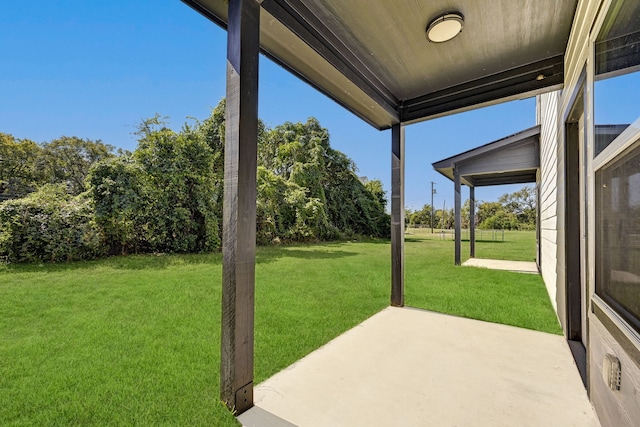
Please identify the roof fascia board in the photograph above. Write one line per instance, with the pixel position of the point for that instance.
(206, 12)
(515, 97)
(491, 88)
(304, 24)
(517, 179)
(311, 83)
(527, 176)
(220, 20)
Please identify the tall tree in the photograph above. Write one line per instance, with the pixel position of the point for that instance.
(522, 204)
(493, 215)
(181, 183)
(121, 203)
(301, 153)
(422, 217)
(67, 160)
(20, 173)
(212, 131)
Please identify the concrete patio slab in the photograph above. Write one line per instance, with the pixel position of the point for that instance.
(409, 367)
(498, 264)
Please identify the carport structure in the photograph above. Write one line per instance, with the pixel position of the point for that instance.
(514, 159)
(373, 58)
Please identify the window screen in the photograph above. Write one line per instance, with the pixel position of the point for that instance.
(618, 235)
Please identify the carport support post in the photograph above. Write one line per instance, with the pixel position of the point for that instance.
(397, 215)
(458, 202)
(239, 213)
(472, 222)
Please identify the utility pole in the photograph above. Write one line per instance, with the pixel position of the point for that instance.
(433, 191)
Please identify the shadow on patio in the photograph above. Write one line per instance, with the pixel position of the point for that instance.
(411, 367)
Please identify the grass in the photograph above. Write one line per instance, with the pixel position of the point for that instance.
(135, 340)
(517, 245)
(114, 342)
(433, 283)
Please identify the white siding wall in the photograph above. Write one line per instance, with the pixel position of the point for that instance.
(548, 105)
(614, 408)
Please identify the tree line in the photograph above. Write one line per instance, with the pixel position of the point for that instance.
(74, 198)
(512, 211)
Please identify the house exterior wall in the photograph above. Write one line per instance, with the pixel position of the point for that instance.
(614, 408)
(578, 47)
(548, 120)
(606, 333)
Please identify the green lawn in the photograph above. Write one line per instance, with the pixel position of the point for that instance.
(433, 283)
(135, 340)
(516, 246)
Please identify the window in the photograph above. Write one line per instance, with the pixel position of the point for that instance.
(617, 181)
(617, 66)
(618, 234)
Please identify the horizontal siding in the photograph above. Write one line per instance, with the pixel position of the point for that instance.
(549, 196)
(548, 229)
(548, 121)
(548, 270)
(549, 238)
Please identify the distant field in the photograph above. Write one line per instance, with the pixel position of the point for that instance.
(493, 244)
(135, 340)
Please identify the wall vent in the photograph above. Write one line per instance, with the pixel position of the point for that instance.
(611, 371)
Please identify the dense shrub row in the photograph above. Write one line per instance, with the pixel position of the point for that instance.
(49, 225)
(166, 196)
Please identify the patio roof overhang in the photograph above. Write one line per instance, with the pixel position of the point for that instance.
(514, 159)
(373, 57)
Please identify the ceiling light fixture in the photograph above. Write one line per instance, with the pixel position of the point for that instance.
(445, 27)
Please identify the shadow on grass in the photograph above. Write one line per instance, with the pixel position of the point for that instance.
(121, 262)
(413, 240)
(266, 256)
(315, 250)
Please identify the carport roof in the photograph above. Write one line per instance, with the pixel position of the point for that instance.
(373, 58)
(511, 160)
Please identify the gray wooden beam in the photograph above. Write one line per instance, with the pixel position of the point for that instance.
(458, 202)
(472, 222)
(397, 215)
(239, 213)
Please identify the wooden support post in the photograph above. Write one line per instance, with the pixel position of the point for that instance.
(239, 216)
(472, 222)
(397, 215)
(458, 203)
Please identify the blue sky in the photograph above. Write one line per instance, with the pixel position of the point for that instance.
(96, 69)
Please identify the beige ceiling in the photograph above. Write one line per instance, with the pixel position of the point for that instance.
(498, 34)
(372, 56)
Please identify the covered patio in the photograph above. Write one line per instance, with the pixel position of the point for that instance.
(382, 62)
(514, 159)
(413, 367)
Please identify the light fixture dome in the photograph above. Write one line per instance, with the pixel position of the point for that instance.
(445, 27)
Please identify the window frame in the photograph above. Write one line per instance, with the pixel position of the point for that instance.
(629, 139)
